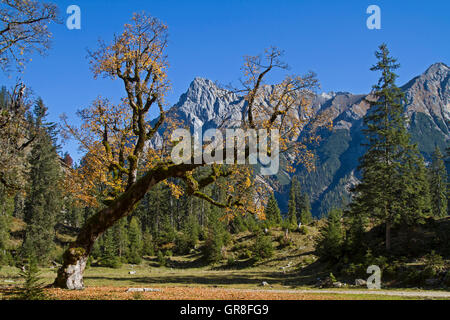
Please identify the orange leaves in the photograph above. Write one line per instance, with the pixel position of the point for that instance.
(184, 293)
(137, 56)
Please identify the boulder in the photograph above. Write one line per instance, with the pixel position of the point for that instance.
(360, 283)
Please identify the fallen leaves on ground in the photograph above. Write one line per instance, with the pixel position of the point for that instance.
(180, 293)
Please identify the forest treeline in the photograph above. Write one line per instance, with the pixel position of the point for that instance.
(125, 199)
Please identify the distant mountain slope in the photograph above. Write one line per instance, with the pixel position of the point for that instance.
(427, 109)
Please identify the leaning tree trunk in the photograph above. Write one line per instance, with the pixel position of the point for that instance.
(70, 274)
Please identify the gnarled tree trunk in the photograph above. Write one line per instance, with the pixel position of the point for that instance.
(70, 274)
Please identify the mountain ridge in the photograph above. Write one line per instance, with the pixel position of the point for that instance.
(427, 109)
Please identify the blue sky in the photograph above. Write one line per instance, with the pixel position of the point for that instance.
(209, 39)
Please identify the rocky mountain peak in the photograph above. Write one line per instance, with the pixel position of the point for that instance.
(429, 93)
(206, 104)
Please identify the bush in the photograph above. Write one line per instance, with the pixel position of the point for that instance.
(447, 279)
(304, 230)
(330, 244)
(231, 260)
(6, 258)
(434, 262)
(111, 262)
(263, 247)
(246, 254)
(161, 259)
(57, 254)
(212, 250)
(184, 243)
(285, 241)
(134, 257)
(32, 288)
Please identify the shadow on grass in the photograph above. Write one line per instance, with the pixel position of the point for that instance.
(254, 278)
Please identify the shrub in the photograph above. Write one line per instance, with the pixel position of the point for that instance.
(212, 250)
(161, 259)
(231, 260)
(332, 277)
(447, 279)
(285, 241)
(434, 262)
(134, 257)
(246, 254)
(262, 248)
(168, 253)
(111, 262)
(32, 288)
(304, 230)
(331, 241)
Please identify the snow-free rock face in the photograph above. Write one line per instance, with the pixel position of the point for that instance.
(430, 94)
(427, 107)
(205, 104)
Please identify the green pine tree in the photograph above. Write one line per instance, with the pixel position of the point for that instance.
(272, 211)
(32, 288)
(292, 209)
(305, 213)
(44, 200)
(302, 204)
(438, 185)
(331, 240)
(121, 238)
(135, 237)
(385, 189)
(109, 257)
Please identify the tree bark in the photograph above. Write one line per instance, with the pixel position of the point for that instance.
(70, 274)
(388, 236)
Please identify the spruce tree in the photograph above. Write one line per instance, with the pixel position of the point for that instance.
(273, 215)
(387, 185)
(305, 213)
(109, 257)
(32, 288)
(302, 204)
(44, 200)
(121, 238)
(438, 185)
(6, 209)
(331, 240)
(135, 238)
(292, 209)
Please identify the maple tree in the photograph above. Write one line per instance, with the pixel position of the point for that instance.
(24, 30)
(117, 138)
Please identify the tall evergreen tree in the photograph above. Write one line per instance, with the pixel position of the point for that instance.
(330, 244)
(305, 213)
(135, 237)
(273, 215)
(109, 256)
(438, 184)
(44, 200)
(292, 209)
(121, 238)
(302, 204)
(6, 208)
(386, 188)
